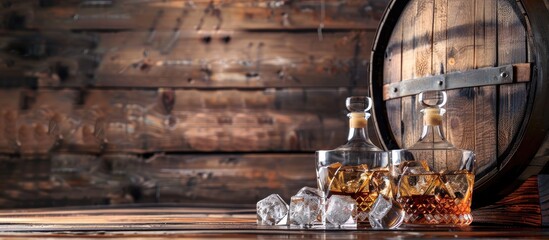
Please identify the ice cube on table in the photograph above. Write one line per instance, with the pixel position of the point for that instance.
(341, 211)
(309, 191)
(386, 213)
(272, 210)
(306, 210)
(317, 194)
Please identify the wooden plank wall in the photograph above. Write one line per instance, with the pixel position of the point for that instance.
(78, 179)
(122, 101)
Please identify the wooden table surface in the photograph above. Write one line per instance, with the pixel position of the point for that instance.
(154, 222)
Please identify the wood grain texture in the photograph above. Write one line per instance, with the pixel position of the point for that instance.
(392, 73)
(77, 179)
(438, 62)
(422, 61)
(248, 60)
(543, 187)
(460, 124)
(143, 121)
(485, 97)
(201, 15)
(10, 102)
(187, 59)
(204, 222)
(458, 36)
(51, 58)
(188, 221)
(94, 92)
(522, 207)
(186, 44)
(512, 99)
(409, 120)
(440, 22)
(423, 39)
(476, 36)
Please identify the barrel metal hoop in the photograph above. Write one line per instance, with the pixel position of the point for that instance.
(474, 78)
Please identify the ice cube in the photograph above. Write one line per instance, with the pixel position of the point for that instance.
(415, 167)
(386, 213)
(439, 189)
(460, 183)
(315, 193)
(416, 178)
(451, 191)
(272, 210)
(341, 210)
(306, 210)
(309, 191)
(416, 184)
(382, 183)
(352, 179)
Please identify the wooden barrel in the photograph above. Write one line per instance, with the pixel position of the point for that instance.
(492, 58)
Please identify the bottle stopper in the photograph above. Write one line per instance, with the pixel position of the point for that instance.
(358, 107)
(433, 101)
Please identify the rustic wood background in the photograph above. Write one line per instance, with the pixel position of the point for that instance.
(121, 101)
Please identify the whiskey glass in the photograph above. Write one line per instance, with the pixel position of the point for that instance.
(434, 178)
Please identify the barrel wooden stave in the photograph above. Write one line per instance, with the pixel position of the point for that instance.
(429, 38)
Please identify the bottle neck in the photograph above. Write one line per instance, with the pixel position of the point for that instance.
(358, 138)
(432, 136)
(358, 134)
(432, 133)
(358, 122)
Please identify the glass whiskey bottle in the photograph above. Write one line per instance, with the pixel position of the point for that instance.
(436, 179)
(358, 169)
